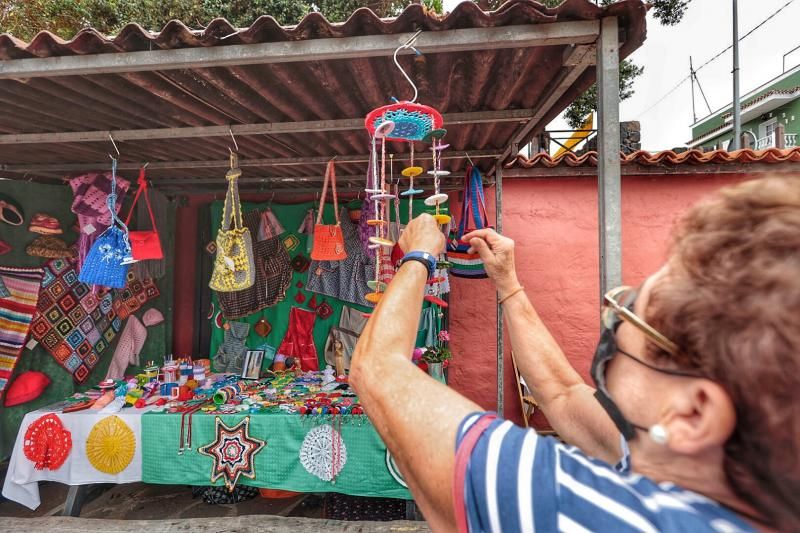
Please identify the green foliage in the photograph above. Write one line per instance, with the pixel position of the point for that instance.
(586, 103)
(25, 18)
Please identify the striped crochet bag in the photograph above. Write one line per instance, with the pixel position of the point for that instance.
(465, 264)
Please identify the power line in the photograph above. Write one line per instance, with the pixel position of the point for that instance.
(717, 56)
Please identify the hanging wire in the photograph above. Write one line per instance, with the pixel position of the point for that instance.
(409, 44)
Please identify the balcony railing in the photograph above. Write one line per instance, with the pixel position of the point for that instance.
(789, 141)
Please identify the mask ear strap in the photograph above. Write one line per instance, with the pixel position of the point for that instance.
(627, 429)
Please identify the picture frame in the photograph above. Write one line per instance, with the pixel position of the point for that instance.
(252, 364)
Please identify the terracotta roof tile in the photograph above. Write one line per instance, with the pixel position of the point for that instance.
(664, 158)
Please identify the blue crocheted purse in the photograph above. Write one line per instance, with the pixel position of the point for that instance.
(109, 259)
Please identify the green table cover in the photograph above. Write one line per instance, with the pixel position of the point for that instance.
(277, 465)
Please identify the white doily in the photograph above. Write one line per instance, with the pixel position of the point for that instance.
(323, 453)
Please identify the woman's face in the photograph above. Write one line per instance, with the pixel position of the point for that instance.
(637, 390)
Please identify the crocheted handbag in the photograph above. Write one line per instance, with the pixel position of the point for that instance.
(328, 238)
(144, 244)
(234, 268)
(465, 264)
(109, 258)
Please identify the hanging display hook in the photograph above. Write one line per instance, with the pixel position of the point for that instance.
(409, 44)
(235, 144)
(115, 146)
(469, 159)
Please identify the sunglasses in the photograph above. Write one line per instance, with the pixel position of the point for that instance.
(618, 307)
(619, 303)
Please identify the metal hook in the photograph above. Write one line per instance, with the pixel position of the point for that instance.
(408, 44)
(145, 165)
(469, 159)
(115, 146)
(235, 144)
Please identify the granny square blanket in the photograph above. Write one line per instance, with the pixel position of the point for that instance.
(76, 324)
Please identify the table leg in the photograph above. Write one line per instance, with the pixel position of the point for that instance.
(412, 512)
(75, 499)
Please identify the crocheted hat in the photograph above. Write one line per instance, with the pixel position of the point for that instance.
(49, 247)
(45, 225)
(10, 211)
(28, 386)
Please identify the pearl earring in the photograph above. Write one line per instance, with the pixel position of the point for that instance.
(658, 434)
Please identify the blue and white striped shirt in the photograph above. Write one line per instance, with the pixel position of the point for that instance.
(519, 481)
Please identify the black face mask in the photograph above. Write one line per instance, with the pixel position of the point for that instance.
(606, 350)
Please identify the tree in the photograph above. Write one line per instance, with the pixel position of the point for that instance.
(25, 18)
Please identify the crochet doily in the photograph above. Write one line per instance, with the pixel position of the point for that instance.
(323, 453)
(47, 443)
(233, 451)
(394, 471)
(110, 445)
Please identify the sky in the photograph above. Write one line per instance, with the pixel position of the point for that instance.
(706, 29)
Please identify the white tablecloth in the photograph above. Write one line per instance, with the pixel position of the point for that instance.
(22, 479)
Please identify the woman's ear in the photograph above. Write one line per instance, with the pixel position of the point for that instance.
(702, 416)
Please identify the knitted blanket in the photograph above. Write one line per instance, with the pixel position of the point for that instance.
(75, 324)
(17, 308)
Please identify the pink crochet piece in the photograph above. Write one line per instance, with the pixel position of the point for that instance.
(89, 203)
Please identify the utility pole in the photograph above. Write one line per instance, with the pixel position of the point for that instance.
(737, 107)
(691, 75)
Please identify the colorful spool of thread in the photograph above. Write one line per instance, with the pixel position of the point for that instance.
(227, 393)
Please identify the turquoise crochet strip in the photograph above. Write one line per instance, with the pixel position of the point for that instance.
(277, 465)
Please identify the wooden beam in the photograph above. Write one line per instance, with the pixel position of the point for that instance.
(271, 128)
(432, 42)
(224, 163)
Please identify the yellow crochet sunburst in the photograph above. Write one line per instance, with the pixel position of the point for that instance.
(111, 445)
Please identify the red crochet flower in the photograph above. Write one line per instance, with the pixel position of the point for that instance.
(47, 443)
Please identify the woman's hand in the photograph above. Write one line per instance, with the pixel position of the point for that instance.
(497, 254)
(423, 235)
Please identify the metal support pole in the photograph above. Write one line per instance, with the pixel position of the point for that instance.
(609, 187)
(737, 106)
(498, 203)
(691, 76)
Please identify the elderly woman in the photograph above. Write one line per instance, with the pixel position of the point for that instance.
(697, 378)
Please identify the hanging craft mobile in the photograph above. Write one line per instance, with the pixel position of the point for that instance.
(233, 451)
(409, 122)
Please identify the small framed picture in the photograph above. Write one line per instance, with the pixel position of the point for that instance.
(252, 364)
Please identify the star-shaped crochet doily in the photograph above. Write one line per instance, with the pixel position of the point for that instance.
(233, 451)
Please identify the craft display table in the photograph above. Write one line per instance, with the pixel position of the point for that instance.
(299, 453)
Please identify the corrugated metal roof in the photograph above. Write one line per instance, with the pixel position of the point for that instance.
(480, 80)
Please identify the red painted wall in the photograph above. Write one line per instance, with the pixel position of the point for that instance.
(554, 222)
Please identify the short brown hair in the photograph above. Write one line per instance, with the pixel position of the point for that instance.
(732, 305)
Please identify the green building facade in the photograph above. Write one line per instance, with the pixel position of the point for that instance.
(770, 118)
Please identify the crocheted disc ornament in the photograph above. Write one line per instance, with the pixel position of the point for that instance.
(47, 443)
(233, 451)
(110, 445)
(323, 453)
(412, 121)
